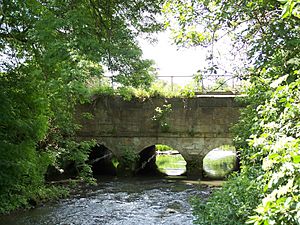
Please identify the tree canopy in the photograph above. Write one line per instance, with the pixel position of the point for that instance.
(267, 135)
(49, 50)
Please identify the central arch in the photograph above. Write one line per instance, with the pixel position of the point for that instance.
(160, 159)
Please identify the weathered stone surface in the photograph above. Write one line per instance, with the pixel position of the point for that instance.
(195, 125)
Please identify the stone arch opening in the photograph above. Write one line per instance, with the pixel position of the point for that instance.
(102, 161)
(220, 162)
(161, 160)
(146, 164)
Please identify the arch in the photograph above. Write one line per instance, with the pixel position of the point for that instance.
(152, 163)
(220, 162)
(213, 143)
(173, 143)
(102, 160)
(146, 164)
(108, 144)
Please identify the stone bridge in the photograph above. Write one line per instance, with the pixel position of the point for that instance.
(193, 126)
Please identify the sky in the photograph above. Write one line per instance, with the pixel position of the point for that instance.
(171, 61)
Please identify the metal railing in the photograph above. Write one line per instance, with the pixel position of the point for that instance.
(206, 83)
(203, 83)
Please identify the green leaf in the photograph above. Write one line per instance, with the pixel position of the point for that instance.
(295, 61)
(277, 82)
(296, 159)
(296, 11)
(286, 10)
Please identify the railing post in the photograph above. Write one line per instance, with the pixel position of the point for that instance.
(202, 79)
(112, 81)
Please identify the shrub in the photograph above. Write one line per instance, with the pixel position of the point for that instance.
(230, 205)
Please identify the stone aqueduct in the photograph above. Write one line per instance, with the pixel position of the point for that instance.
(193, 126)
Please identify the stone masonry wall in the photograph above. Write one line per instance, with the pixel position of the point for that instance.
(194, 125)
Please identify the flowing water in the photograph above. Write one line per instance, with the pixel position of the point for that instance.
(121, 201)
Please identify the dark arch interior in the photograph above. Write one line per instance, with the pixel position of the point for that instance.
(146, 164)
(102, 161)
(154, 157)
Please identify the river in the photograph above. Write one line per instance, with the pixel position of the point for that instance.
(120, 201)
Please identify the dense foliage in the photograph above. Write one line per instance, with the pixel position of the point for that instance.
(49, 52)
(267, 190)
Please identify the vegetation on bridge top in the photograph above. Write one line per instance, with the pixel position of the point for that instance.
(160, 88)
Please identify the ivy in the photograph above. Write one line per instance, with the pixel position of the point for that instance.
(161, 115)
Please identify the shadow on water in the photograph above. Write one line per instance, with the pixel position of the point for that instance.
(138, 200)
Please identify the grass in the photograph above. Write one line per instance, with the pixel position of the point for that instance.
(171, 162)
(163, 148)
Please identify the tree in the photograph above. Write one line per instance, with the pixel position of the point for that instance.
(267, 134)
(49, 50)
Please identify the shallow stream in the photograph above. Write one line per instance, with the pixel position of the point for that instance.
(120, 201)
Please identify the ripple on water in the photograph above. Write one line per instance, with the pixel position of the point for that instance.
(125, 202)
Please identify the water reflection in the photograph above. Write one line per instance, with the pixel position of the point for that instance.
(218, 163)
(171, 164)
